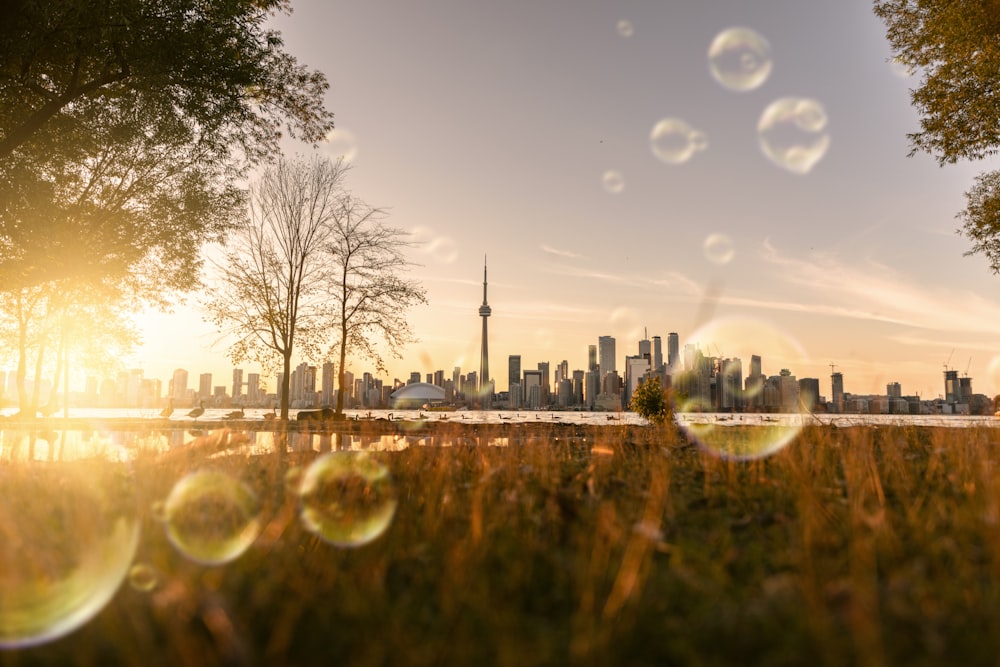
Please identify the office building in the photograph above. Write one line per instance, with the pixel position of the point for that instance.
(606, 355)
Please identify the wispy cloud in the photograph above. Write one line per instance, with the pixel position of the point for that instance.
(678, 283)
(874, 291)
(568, 254)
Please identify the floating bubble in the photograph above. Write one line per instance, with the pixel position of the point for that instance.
(674, 141)
(725, 354)
(901, 69)
(68, 533)
(626, 324)
(791, 133)
(340, 143)
(719, 248)
(625, 28)
(740, 59)
(613, 181)
(347, 498)
(143, 577)
(211, 517)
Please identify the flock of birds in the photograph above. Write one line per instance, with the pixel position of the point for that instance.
(200, 410)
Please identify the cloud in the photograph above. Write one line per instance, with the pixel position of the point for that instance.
(873, 291)
(676, 282)
(561, 253)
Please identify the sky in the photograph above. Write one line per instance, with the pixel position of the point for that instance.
(620, 181)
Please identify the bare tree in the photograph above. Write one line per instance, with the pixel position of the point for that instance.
(368, 297)
(269, 290)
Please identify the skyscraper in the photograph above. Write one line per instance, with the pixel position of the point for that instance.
(513, 370)
(484, 357)
(606, 354)
(657, 354)
(673, 350)
(591, 357)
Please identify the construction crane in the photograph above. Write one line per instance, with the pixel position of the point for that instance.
(966, 374)
(948, 360)
(833, 368)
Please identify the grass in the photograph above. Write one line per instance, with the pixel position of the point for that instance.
(590, 545)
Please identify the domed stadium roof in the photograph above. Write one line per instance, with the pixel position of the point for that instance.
(416, 394)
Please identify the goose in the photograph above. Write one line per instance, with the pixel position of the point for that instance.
(235, 414)
(169, 410)
(273, 414)
(198, 411)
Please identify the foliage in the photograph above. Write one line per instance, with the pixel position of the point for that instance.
(367, 295)
(651, 401)
(268, 296)
(125, 130)
(955, 49)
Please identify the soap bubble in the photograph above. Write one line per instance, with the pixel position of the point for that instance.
(674, 141)
(143, 577)
(347, 498)
(340, 143)
(625, 28)
(791, 133)
(739, 59)
(68, 534)
(613, 181)
(718, 248)
(211, 517)
(727, 347)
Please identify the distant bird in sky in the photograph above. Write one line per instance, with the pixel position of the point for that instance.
(169, 410)
(198, 411)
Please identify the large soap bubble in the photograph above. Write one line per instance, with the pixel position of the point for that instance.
(739, 59)
(211, 518)
(719, 248)
(674, 141)
(340, 143)
(68, 534)
(347, 498)
(792, 133)
(721, 375)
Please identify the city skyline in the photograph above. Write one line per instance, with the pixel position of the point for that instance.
(535, 134)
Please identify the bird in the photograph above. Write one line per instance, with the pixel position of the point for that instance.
(169, 410)
(198, 411)
(271, 415)
(235, 414)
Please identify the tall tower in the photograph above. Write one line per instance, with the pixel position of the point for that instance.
(484, 357)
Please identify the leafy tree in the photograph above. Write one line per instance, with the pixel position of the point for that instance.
(125, 129)
(269, 290)
(955, 48)
(651, 401)
(367, 294)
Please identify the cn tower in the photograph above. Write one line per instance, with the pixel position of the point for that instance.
(484, 357)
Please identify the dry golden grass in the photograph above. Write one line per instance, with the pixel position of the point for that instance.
(592, 545)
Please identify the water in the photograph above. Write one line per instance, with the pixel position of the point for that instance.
(214, 417)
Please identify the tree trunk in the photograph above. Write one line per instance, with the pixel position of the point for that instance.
(341, 377)
(286, 381)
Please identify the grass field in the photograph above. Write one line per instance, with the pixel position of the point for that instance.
(583, 545)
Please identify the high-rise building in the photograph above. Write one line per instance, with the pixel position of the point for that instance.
(254, 396)
(952, 387)
(837, 381)
(606, 354)
(543, 368)
(645, 347)
(513, 370)
(635, 370)
(237, 384)
(532, 389)
(179, 384)
(328, 382)
(591, 357)
(673, 350)
(657, 353)
(729, 384)
(204, 386)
